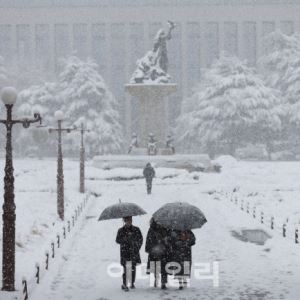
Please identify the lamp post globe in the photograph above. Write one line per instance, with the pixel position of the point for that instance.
(59, 115)
(9, 95)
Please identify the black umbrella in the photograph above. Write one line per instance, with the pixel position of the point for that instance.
(180, 216)
(121, 210)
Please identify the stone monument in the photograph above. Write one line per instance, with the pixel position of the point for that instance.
(150, 84)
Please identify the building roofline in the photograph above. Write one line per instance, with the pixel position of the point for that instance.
(137, 3)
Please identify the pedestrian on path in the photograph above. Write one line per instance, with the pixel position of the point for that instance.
(149, 174)
(182, 242)
(158, 246)
(130, 239)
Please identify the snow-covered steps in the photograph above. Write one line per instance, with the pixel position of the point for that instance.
(199, 162)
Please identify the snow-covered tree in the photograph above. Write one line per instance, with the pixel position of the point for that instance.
(231, 106)
(280, 67)
(39, 98)
(86, 98)
(278, 62)
(82, 95)
(42, 99)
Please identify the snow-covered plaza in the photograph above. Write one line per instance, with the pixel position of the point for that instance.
(226, 266)
(150, 149)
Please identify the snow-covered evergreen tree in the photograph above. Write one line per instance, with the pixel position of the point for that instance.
(86, 98)
(39, 98)
(278, 62)
(280, 67)
(42, 99)
(230, 107)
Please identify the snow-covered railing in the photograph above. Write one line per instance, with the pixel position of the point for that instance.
(284, 229)
(40, 271)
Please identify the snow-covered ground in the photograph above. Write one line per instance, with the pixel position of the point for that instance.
(246, 270)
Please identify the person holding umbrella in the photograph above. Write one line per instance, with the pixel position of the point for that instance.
(182, 242)
(181, 218)
(158, 246)
(149, 173)
(130, 239)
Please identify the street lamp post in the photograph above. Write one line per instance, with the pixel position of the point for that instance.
(9, 97)
(59, 116)
(82, 159)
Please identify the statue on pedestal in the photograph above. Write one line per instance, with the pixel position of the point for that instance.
(134, 142)
(152, 144)
(153, 67)
(160, 47)
(169, 143)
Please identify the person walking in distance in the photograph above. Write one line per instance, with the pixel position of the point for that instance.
(149, 173)
(130, 239)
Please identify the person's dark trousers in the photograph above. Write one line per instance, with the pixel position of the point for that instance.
(149, 186)
(160, 267)
(164, 274)
(129, 275)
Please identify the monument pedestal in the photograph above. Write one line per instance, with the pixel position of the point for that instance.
(152, 114)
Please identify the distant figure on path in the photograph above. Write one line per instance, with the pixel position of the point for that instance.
(130, 239)
(182, 242)
(149, 173)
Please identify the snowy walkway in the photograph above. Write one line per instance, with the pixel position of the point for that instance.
(247, 271)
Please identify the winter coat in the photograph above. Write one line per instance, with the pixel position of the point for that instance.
(130, 240)
(158, 245)
(149, 172)
(182, 248)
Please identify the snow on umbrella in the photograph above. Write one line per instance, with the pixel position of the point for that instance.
(121, 210)
(180, 216)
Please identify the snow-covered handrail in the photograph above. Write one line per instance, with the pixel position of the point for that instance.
(266, 219)
(26, 285)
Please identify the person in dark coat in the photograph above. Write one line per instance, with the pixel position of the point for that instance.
(130, 239)
(158, 246)
(182, 242)
(149, 173)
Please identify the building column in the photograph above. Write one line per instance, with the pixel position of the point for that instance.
(89, 40)
(240, 42)
(203, 45)
(183, 60)
(52, 48)
(127, 97)
(14, 47)
(32, 45)
(221, 37)
(259, 41)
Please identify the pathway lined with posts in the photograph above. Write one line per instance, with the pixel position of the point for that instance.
(62, 241)
(287, 231)
(243, 270)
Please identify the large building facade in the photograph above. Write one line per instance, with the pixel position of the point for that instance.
(38, 33)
